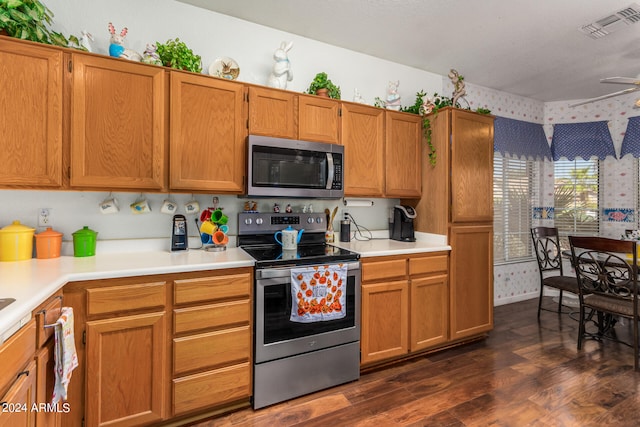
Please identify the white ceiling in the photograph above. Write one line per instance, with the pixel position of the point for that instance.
(532, 48)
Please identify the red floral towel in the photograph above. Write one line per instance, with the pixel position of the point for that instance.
(319, 293)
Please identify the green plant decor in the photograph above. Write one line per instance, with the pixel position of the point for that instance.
(176, 54)
(29, 20)
(321, 81)
(437, 102)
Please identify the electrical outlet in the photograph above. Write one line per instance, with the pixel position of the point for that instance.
(44, 217)
(345, 214)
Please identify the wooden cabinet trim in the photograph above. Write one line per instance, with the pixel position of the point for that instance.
(15, 353)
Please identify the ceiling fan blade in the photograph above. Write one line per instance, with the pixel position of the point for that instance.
(621, 80)
(611, 95)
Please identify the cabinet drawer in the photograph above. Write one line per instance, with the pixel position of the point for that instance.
(212, 288)
(211, 349)
(15, 353)
(211, 388)
(125, 298)
(47, 314)
(384, 269)
(211, 316)
(428, 264)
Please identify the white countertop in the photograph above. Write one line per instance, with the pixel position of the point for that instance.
(31, 282)
(380, 245)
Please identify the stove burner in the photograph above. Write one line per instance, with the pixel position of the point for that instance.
(273, 255)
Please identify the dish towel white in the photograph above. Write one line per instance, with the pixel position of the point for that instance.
(65, 357)
(318, 293)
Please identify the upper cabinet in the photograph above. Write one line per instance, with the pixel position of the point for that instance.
(403, 165)
(118, 122)
(32, 108)
(282, 114)
(363, 140)
(208, 134)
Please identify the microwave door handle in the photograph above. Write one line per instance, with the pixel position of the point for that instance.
(330, 171)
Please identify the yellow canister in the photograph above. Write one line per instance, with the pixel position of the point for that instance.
(48, 244)
(16, 242)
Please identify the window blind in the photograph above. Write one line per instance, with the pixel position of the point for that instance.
(512, 199)
(576, 198)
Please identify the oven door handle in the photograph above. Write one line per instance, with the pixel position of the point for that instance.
(284, 274)
(331, 171)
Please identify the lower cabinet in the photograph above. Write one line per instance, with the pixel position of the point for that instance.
(18, 401)
(404, 305)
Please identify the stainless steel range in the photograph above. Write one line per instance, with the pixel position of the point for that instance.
(296, 355)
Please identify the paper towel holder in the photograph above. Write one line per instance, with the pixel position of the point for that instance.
(358, 202)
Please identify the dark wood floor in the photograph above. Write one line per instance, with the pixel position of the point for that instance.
(526, 373)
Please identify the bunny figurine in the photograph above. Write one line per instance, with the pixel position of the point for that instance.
(150, 55)
(86, 40)
(281, 73)
(116, 47)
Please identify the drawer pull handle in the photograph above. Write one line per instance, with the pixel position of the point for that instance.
(22, 373)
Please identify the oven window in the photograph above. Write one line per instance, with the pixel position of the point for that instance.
(277, 312)
(288, 168)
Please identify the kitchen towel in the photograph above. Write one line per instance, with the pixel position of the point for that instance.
(318, 293)
(65, 357)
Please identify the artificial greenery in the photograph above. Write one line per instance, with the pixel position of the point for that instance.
(29, 20)
(321, 81)
(437, 102)
(176, 54)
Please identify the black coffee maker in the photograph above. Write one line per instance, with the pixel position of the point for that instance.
(401, 227)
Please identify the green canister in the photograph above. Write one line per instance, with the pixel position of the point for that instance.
(84, 242)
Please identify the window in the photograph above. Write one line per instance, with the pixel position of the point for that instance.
(576, 198)
(512, 199)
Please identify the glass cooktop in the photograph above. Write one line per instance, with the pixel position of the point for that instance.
(273, 255)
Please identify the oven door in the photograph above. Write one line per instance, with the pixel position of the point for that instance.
(276, 336)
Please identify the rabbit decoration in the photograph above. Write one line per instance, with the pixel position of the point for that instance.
(281, 73)
(116, 47)
(86, 40)
(150, 55)
(393, 98)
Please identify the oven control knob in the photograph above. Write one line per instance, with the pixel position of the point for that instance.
(248, 221)
(259, 221)
(310, 220)
(319, 220)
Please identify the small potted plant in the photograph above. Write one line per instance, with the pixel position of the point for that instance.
(176, 54)
(322, 86)
(29, 20)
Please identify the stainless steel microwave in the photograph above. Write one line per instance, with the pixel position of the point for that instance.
(292, 168)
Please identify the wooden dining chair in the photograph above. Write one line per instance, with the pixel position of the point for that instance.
(546, 244)
(607, 281)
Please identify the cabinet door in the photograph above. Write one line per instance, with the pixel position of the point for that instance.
(471, 167)
(318, 119)
(45, 379)
(207, 134)
(403, 165)
(31, 125)
(429, 311)
(272, 112)
(471, 277)
(21, 396)
(118, 138)
(363, 140)
(385, 318)
(127, 372)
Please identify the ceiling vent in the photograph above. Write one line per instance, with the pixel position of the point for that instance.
(609, 24)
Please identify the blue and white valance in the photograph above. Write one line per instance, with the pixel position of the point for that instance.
(586, 140)
(520, 139)
(631, 141)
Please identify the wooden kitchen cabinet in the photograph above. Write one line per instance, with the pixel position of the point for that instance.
(403, 164)
(459, 203)
(212, 340)
(404, 305)
(283, 114)
(20, 397)
(471, 280)
(118, 124)
(31, 101)
(363, 139)
(208, 131)
(273, 112)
